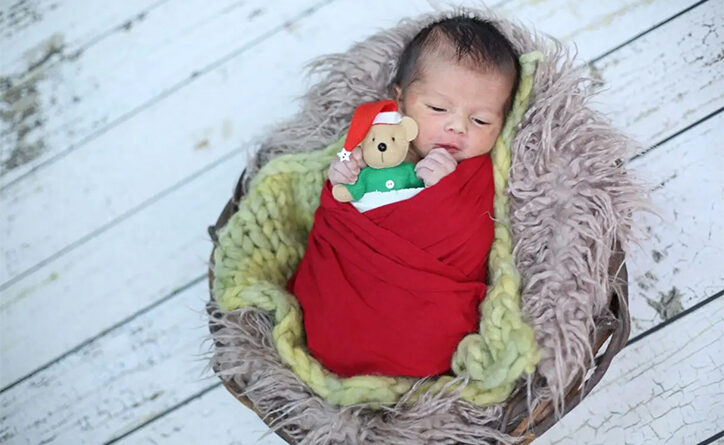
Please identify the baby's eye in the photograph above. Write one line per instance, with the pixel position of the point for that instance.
(479, 122)
(436, 109)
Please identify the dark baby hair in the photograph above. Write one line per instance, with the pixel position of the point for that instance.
(474, 41)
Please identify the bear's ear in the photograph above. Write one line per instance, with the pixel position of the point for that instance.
(368, 138)
(410, 127)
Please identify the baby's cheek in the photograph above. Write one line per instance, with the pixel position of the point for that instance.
(423, 141)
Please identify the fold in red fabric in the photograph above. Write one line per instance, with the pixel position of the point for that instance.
(393, 290)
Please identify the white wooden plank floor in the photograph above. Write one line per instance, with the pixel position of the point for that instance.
(124, 126)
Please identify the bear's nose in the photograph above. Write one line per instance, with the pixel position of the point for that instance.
(382, 146)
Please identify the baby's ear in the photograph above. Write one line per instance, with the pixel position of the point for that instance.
(397, 91)
(410, 127)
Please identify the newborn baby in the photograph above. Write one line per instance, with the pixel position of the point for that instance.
(394, 290)
(457, 79)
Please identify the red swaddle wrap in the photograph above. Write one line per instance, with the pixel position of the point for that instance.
(393, 290)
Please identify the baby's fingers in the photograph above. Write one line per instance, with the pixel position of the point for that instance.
(426, 175)
(423, 171)
(335, 175)
(357, 157)
(430, 163)
(346, 172)
(443, 157)
(351, 169)
(344, 177)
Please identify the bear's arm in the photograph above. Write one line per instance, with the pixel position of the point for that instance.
(414, 181)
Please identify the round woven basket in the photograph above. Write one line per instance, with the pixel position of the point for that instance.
(516, 420)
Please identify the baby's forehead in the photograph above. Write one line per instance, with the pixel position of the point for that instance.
(452, 76)
(444, 55)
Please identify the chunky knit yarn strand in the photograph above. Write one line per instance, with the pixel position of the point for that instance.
(261, 245)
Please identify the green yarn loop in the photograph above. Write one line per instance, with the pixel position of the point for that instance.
(261, 245)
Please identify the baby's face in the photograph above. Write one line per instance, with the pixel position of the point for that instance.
(456, 108)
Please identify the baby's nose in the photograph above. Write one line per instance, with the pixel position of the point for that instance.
(456, 125)
(382, 146)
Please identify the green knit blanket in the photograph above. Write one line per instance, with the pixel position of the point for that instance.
(261, 245)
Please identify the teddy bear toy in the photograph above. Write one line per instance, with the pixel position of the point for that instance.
(384, 136)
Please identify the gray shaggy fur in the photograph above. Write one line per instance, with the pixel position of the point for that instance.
(571, 200)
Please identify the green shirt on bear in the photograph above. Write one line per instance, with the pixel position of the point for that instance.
(384, 180)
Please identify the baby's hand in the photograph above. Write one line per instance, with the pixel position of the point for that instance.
(436, 165)
(341, 172)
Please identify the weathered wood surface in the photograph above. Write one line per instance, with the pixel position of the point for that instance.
(99, 90)
(26, 24)
(191, 424)
(147, 253)
(130, 375)
(665, 389)
(593, 29)
(678, 262)
(56, 89)
(647, 76)
(106, 185)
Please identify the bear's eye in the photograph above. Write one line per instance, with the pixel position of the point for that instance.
(393, 139)
(373, 139)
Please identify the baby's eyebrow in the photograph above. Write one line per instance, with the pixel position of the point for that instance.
(436, 92)
(485, 108)
(439, 93)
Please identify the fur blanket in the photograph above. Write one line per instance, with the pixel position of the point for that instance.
(571, 200)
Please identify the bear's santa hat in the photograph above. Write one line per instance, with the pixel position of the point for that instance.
(364, 117)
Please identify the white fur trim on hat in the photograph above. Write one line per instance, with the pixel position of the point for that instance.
(387, 117)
